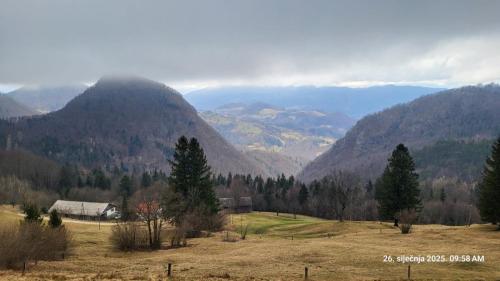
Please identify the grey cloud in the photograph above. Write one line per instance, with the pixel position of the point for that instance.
(65, 41)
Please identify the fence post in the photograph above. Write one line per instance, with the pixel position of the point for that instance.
(306, 273)
(409, 272)
(24, 267)
(169, 270)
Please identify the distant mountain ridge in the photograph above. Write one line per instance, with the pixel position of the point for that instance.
(282, 140)
(46, 99)
(355, 102)
(123, 121)
(467, 114)
(10, 108)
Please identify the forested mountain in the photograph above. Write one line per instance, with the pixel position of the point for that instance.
(46, 99)
(465, 116)
(282, 140)
(126, 122)
(453, 158)
(355, 102)
(10, 108)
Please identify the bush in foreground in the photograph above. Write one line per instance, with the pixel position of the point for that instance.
(407, 218)
(129, 236)
(55, 220)
(31, 241)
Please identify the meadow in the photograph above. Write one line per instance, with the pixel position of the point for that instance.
(278, 248)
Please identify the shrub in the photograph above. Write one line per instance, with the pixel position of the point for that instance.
(128, 236)
(407, 218)
(244, 231)
(228, 237)
(55, 221)
(32, 213)
(177, 237)
(195, 222)
(31, 241)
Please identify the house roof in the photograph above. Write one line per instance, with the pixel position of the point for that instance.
(245, 201)
(80, 208)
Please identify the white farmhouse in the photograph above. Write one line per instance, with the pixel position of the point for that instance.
(86, 210)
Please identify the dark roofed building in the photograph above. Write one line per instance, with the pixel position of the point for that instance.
(229, 205)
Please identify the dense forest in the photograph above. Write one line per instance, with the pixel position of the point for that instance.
(339, 196)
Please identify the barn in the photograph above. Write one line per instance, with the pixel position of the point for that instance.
(230, 205)
(86, 210)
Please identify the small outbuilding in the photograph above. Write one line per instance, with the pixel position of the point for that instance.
(230, 205)
(86, 210)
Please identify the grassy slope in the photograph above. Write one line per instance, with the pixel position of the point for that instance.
(354, 252)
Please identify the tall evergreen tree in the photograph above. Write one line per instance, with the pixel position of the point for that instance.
(268, 193)
(201, 186)
(146, 180)
(66, 179)
(489, 188)
(126, 188)
(303, 195)
(100, 179)
(180, 169)
(229, 179)
(191, 176)
(397, 189)
(369, 187)
(442, 195)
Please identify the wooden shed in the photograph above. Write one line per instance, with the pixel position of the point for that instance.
(230, 205)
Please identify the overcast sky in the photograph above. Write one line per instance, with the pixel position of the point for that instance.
(191, 44)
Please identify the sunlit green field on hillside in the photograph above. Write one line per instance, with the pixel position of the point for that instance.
(330, 249)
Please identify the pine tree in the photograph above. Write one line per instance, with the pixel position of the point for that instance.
(100, 179)
(303, 195)
(146, 180)
(66, 180)
(489, 188)
(201, 187)
(126, 187)
(268, 193)
(442, 195)
(369, 187)
(79, 182)
(179, 175)
(32, 213)
(397, 188)
(55, 220)
(125, 212)
(191, 177)
(229, 179)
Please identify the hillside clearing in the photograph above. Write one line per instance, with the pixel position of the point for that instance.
(354, 251)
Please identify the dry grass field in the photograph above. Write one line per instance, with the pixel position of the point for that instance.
(330, 249)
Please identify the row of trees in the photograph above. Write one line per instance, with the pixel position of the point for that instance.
(398, 190)
(489, 198)
(190, 189)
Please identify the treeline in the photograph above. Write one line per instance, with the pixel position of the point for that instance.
(343, 195)
(25, 176)
(338, 196)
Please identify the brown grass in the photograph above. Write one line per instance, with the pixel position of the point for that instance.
(354, 252)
